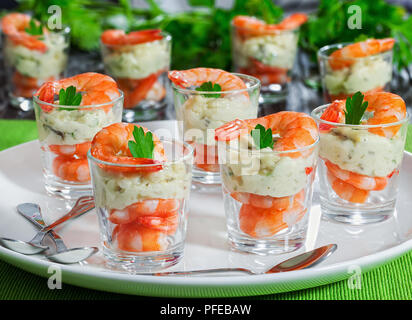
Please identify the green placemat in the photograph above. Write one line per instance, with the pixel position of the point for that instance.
(391, 281)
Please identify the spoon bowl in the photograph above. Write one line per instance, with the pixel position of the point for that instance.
(22, 247)
(73, 255)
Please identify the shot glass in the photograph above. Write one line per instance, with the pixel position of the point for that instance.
(267, 196)
(143, 216)
(359, 169)
(341, 78)
(200, 112)
(268, 55)
(65, 135)
(140, 71)
(27, 68)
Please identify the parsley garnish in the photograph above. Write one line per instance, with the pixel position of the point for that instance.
(209, 86)
(262, 138)
(143, 145)
(69, 97)
(355, 108)
(34, 28)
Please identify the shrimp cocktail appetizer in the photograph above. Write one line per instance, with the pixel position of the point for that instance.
(69, 112)
(138, 61)
(266, 51)
(361, 146)
(268, 167)
(141, 187)
(33, 55)
(205, 99)
(362, 66)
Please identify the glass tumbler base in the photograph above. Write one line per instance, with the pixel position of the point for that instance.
(265, 246)
(68, 191)
(133, 262)
(273, 93)
(205, 181)
(21, 103)
(356, 215)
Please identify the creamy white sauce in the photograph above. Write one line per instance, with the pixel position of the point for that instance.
(265, 173)
(365, 74)
(137, 61)
(201, 115)
(361, 151)
(272, 50)
(36, 64)
(74, 126)
(117, 192)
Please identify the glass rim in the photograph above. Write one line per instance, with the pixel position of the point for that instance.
(166, 36)
(228, 146)
(54, 105)
(322, 51)
(168, 162)
(240, 75)
(314, 115)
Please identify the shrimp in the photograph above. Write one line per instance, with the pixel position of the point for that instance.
(296, 130)
(165, 224)
(136, 90)
(134, 237)
(111, 145)
(261, 223)
(96, 88)
(160, 208)
(266, 202)
(71, 169)
(120, 38)
(206, 157)
(197, 76)
(386, 107)
(266, 74)
(346, 191)
(254, 26)
(77, 150)
(357, 180)
(345, 57)
(14, 25)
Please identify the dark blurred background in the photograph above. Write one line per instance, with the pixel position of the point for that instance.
(200, 30)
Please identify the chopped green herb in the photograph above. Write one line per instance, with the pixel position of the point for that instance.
(69, 97)
(143, 145)
(35, 28)
(210, 87)
(262, 138)
(355, 108)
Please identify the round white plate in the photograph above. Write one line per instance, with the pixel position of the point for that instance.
(359, 248)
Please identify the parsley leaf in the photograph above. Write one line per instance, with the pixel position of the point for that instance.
(355, 108)
(143, 145)
(34, 29)
(209, 86)
(69, 97)
(262, 138)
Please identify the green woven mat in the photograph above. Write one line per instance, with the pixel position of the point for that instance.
(391, 281)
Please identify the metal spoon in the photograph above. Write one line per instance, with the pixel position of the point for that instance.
(32, 212)
(34, 246)
(62, 255)
(301, 261)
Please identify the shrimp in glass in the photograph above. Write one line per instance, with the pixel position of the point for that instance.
(205, 99)
(66, 132)
(268, 188)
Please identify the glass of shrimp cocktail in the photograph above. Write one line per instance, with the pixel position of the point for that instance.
(33, 55)
(138, 61)
(205, 99)
(268, 167)
(346, 68)
(361, 149)
(69, 112)
(141, 187)
(266, 51)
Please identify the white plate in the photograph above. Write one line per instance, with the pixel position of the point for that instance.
(363, 247)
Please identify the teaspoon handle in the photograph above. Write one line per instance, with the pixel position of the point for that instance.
(199, 272)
